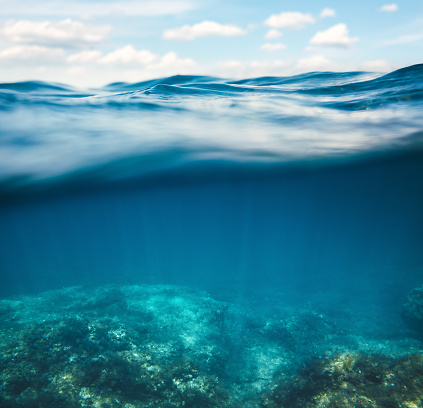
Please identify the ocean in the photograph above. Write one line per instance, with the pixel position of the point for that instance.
(194, 241)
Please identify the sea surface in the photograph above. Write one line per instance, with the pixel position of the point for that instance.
(258, 229)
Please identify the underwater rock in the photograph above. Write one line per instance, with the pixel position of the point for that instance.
(130, 347)
(352, 379)
(167, 346)
(412, 310)
(301, 332)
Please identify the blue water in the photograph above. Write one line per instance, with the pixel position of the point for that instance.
(196, 241)
(309, 185)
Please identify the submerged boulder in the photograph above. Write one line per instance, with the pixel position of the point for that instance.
(351, 379)
(412, 310)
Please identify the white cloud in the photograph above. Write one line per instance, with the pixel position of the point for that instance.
(172, 61)
(84, 57)
(316, 63)
(32, 55)
(146, 8)
(120, 60)
(129, 55)
(389, 7)
(293, 20)
(273, 47)
(376, 66)
(206, 28)
(335, 36)
(238, 69)
(69, 8)
(91, 68)
(273, 34)
(66, 33)
(327, 12)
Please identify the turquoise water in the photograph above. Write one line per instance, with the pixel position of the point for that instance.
(279, 196)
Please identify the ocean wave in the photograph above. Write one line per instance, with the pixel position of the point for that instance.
(56, 132)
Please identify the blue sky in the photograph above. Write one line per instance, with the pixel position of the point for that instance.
(91, 43)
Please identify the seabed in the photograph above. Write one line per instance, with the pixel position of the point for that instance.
(168, 346)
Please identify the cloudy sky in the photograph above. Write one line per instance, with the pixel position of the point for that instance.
(92, 42)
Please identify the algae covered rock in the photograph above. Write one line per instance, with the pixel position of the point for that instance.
(168, 346)
(130, 347)
(412, 310)
(352, 379)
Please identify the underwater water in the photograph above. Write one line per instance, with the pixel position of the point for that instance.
(201, 242)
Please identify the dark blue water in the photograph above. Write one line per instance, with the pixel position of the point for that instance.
(310, 185)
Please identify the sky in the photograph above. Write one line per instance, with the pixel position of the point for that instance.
(90, 43)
